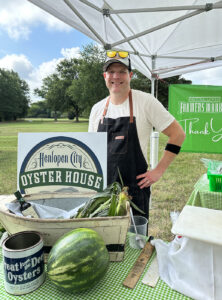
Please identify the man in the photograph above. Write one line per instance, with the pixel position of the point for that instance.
(128, 117)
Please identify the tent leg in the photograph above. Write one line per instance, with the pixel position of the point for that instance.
(154, 139)
(152, 86)
(154, 144)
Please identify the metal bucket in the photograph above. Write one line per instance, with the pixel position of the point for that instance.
(23, 260)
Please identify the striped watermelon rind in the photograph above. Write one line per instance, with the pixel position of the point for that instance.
(78, 260)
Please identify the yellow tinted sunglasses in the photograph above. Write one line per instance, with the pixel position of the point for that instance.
(122, 54)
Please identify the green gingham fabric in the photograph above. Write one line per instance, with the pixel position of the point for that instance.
(109, 288)
(203, 197)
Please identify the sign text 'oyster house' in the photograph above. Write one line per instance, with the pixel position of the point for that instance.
(61, 161)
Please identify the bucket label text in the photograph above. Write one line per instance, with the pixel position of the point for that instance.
(24, 270)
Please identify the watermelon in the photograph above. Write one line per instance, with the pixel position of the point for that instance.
(78, 260)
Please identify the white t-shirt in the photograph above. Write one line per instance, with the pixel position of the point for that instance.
(147, 110)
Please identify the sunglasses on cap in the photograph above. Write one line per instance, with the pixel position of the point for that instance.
(122, 54)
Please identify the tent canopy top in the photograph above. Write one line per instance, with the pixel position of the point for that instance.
(163, 39)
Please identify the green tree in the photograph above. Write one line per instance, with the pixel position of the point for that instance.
(39, 109)
(53, 91)
(92, 83)
(68, 71)
(56, 96)
(85, 83)
(77, 83)
(140, 82)
(162, 87)
(14, 96)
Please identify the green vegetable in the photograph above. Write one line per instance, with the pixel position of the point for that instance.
(129, 198)
(136, 207)
(78, 260)
(111, 202)
(92, 205)
(103, 213)
(113, 205)
(122, 202)
(103, 207)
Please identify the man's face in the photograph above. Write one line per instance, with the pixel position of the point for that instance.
(117, 78)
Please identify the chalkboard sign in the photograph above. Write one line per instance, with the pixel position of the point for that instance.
(198, 109)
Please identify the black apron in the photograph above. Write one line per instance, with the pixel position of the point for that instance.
(124, 152)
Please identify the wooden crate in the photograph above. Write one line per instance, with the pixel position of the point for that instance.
(112, 229)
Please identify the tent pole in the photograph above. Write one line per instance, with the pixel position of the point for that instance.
(154, 138)
(152, 86)
(154, 143)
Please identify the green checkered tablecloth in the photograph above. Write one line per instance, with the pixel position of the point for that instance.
(110, 287)
(203, 197)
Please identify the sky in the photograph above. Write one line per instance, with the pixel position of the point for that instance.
(32, 43)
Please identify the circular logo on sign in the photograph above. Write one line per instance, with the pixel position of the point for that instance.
(60, 164)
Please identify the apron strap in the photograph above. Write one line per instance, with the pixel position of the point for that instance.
(130, 106)
(105, 110)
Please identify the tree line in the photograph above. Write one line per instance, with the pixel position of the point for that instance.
(75, 86)
(14, 96)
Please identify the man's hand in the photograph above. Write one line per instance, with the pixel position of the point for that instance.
(149, 178)
(176, 136)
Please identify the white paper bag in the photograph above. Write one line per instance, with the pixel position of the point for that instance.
(191, 267)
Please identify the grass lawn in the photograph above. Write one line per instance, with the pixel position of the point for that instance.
(169, 194)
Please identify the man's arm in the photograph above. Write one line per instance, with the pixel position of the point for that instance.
(176, 136)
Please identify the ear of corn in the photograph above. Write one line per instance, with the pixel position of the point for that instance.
(105, 206)
(92, 205)
(123, 197)
(111, 202)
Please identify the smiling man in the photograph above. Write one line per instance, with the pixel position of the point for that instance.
(128, 116)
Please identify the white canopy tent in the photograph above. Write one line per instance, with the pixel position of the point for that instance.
(163, 39)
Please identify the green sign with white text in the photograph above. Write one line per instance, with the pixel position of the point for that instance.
(198, 109)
